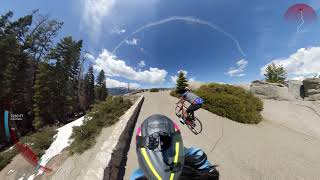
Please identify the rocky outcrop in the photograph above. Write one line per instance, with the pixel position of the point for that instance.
(296, 88)
(267, 90)
(246, 87)
(312, 89)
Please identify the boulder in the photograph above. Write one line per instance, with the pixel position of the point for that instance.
(296, 88)
(267, 90)
(312, 89)
(246, 87)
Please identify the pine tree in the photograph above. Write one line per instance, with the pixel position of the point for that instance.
(82, 97)
(35, 75)
(101, 88)
(41, 36)
(8, 48)
(14, 60)
(275, 74)
(44, 107)
(66, 54)
(19, 41)
(182, 83)
(15, 63)
(89, 87)
(39, 41)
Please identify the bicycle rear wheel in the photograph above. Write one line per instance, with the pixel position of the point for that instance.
(195, 126)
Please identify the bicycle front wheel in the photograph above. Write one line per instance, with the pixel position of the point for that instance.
(195, 126)
(178, 111)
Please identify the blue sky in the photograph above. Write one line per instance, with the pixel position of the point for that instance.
(152, 57)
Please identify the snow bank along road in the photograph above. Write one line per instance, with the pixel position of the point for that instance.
(21, 169)
(268, 150)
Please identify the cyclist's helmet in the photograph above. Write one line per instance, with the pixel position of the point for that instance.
(160, 148)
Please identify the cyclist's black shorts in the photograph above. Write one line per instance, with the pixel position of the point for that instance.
(193, 107)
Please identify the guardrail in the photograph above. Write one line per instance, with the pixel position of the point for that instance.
(121, 143)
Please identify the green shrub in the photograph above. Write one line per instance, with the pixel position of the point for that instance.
(231, 102)
(175, 94)
(154, 90)
(6, 157)
(103, 114)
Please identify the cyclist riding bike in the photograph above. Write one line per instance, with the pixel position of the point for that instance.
(162, 156)
(195, 101)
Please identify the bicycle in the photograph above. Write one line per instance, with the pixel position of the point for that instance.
(192, 122)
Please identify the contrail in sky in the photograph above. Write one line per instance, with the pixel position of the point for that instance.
(186, 19)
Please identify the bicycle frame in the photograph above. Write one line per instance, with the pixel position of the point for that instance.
(183, 108)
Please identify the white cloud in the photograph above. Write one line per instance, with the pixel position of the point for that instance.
(242, 63)
(117, 67)
(298, 78)
(118, 31)
(141, 64)
(111, 83)
(99, 16)
(175, 77)
(238, 71)
(133, 41)
(301, 64)
(94, 12)
(89, 56)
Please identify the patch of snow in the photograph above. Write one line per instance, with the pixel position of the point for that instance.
(10, 171)
(61, 142)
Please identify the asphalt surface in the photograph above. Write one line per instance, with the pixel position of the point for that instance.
(268, 150)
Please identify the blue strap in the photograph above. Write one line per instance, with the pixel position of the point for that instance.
(202, 164)
(190, 151)
(138, 173)
(205, 165)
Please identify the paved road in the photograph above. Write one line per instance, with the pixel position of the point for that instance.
(264, 151)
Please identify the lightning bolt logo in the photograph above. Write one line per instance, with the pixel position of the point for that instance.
(302, 21)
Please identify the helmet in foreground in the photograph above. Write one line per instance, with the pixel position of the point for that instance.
(160, 148)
